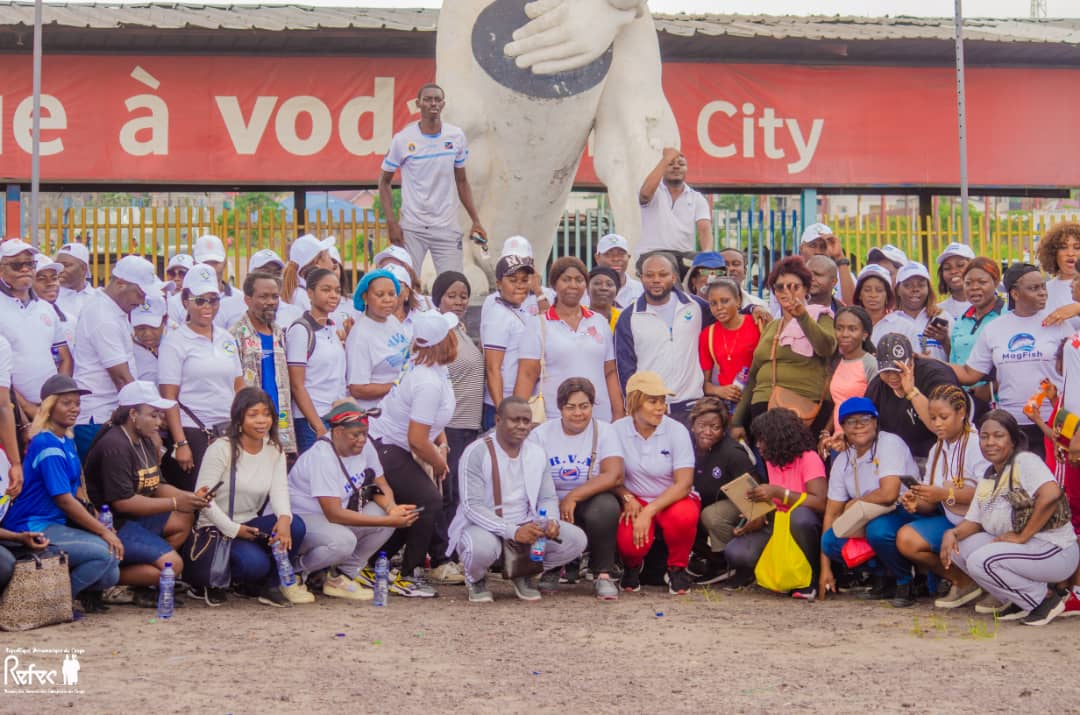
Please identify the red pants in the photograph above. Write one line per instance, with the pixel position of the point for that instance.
(678, 523)
(1071, 482)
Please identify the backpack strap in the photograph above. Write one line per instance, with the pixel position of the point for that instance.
(312, 326)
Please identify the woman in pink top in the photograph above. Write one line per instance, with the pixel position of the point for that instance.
(794, 468)
(856, 365)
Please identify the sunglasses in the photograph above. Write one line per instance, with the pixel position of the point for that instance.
(714, 272)
(21, 266)
(787, 287)
(204, 300)
(176, 272)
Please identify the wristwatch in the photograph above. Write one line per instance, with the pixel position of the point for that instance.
(843, 261)
(181, 443)
(627, 497)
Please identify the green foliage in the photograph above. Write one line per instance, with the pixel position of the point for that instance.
(377, 205)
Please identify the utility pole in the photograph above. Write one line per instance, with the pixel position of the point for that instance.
(35, 154)
(961, 115)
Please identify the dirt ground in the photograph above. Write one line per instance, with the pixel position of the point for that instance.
(712, 651)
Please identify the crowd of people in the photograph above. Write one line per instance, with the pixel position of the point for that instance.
(850, 433)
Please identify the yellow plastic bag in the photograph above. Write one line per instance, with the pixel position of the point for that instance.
(783, 566)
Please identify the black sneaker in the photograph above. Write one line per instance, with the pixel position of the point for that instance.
(143, 597)
(92, 602)
(571, 573)
(905, 595)
(678, 581)
(631, 579)
(698, 566)
(1011, 612)
(740, 579)
(272, 596)
(883, 589)
(712, 572)
(210, 596)
(1050, 608)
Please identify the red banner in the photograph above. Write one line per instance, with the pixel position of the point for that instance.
(295, 121)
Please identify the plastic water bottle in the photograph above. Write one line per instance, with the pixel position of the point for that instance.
(382, 580)
(742, 379)
(105, 517)
(284, 566)
(166, 588)
(536, 553)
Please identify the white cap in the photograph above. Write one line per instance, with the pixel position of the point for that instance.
(516, 246)
(151, 312)
(15, 246)
(874, 269)
(138, 270)
(956, 249)
(335, 255)
(815, 231)
(202, 279)
(912, 269)
(180, 260)
(610, 241)
(77, 251)
(141, 392)
(430, 327)
(209, 248)
(307, 248)
(264, 258)
(889, 252)
(398, 253)
(401, 274)
(44, 263)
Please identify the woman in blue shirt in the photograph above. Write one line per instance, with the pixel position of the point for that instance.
(981, 278)
(48, 501)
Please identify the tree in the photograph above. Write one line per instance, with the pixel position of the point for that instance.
(377, 204)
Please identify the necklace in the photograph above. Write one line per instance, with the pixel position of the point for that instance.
(724, 342)
(138, 447)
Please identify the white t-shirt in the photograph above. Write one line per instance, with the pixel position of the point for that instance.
(72, 302)
(146, 364)
(672, 225)
(955, 308)
(317, 473)
(287, 314)
(300, 299)
(502, 328)
(1071, 375)
(571, 353)
(896, 322)
(531, 304)
(1023, 352)
(893, 460)
(5, 361)
(102, 340)
(425, 396)
(992, 510)
(568, 456)
(204, 369)
(324, 370)
(1058, 293)
(377, 353)
(515, 500)
(914, 328)
(32, 330)
(954, 456)
(651, 463)
(429, 199)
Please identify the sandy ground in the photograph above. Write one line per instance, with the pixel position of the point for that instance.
(711, 651)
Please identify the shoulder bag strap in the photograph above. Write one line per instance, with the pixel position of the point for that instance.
(232, 477)
(198, 423)
(712, 350)
(543, 347)
(772, 355)
(496, 482)
(592, 457)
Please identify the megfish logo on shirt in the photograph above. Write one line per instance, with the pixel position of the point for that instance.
(1022, 347)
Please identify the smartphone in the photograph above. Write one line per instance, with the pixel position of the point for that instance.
(213, 490)
(478, 240)
(419, 509)
(741, 523)
(939, 323)
(909, 481)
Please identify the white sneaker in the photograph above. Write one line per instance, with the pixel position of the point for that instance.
(448, 573)
(118, 594)
(341, 586)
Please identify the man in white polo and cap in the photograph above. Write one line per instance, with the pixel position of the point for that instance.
(104, 349)
(613, 251)
(950, 273)
(818, 240)
(75, 288)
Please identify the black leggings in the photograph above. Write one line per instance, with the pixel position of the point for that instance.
(411, 485)
(171, 472)
(458, 440)
(599, 517)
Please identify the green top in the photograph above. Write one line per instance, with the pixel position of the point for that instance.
(806, 376)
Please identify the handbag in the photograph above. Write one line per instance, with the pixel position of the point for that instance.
(1023, 505)
(536, 402)
(218, 429)
(783, 566)
(805, 408)
(857, 552)
(517, 562)
(39, 593)
(207, 552)
(852, 523)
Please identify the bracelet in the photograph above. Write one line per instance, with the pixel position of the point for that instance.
(913, 394)
(843, 261)
(174, 504)
(950, 500)
(181, 443)
(787, 495)
(628, 497)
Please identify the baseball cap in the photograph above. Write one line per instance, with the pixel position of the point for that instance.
(610, 241)
(335, 255)
(77, 251)
(15, 246)
(892, 348)
(912, 269)
(209, 248)
(61, 384)
(345, 413)
(180, 260)
(397, 253)
(202, 279)
(956, 249)
(649, 383)
(888, 251)
(431, 327)
(708, 259)
(138, 270)
(141, 392)
(264, 258)
(516, 246)
(813, 232)
(401, 274)
(509, 265)
(44, 263)
(151, 312)
(856, 406)
(874, 269)
(307, 248)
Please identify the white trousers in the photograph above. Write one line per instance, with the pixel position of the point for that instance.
(1016, 573)
(346, 547)
(479, 549)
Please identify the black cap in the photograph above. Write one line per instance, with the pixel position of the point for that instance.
(60, 384)
(892, 348)
(510, 264)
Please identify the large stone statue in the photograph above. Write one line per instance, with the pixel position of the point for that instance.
(528, 82)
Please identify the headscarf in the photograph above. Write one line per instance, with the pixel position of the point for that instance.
(442, 284)
(604, 271)
(1012, 276)
(362, 286)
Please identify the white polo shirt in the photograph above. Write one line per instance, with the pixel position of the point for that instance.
(376, 353)
(73, 301)
(324, 371)
(425, 396)
(571, 353)
(429, 199)
(502, 328)
(32, 330)
(317, 473)
(892, 457)
(568, 456)
(651, 463)
(102, 340)
(668, 225)
(5, 361)
(146, 367)
(204, 369)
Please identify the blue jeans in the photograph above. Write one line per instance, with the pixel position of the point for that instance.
(93, 568)
(84, 435)
(881, 534)
(305, 435)
(487, 417)
(252, 562)
(7, 567)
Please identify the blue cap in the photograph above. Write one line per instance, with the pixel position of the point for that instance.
(708, 259)
(857, 406)
(362, 286)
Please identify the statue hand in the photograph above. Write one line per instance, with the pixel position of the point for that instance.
(564, 35)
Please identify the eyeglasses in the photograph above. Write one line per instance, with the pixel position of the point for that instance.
(204, 300)
(176, 272)
(787, 287)
(859, 421)
(714, 272)
(20, 266)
